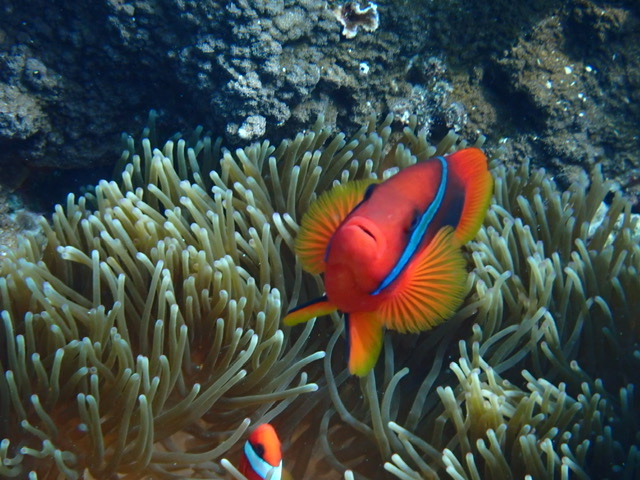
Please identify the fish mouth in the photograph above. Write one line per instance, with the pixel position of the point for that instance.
(367, 231)
(358, 234)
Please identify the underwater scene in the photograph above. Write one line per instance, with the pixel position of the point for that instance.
(346, 240)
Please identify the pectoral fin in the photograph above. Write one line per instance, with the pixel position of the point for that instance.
(430, 289)
(323, 218)
(303, 313)
(364, 340)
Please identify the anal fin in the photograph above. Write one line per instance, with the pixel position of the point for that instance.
(364, 340)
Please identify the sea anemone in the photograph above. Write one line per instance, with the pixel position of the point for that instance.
(145, 331)
(138, 340)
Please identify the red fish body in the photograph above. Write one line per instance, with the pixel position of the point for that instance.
(262, 453)
(390, 251)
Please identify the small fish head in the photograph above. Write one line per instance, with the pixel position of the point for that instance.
(262, 453)
(353, 265)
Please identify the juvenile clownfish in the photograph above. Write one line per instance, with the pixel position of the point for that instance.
(390, 251)
(262, 453)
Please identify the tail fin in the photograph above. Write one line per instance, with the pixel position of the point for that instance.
(470, 166)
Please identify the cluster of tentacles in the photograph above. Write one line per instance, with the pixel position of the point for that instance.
(143, 335)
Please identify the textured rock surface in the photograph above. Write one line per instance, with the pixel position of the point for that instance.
(557, 81)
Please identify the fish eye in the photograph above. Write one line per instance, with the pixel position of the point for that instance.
(259, 449)
(369, 191)
(414, 221)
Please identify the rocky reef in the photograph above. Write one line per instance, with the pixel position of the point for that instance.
(554, 81)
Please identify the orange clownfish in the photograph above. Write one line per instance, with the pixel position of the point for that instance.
(390, 251)
(262, 453)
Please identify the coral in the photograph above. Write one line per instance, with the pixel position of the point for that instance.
(187, 59)
(253, 127)
(270, 62)
(574, 121)
(15, 219)
(352, 17)
(430, 99)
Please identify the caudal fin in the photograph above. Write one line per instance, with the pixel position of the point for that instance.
(469, 165)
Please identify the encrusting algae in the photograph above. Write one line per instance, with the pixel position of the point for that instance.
(137, 341)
